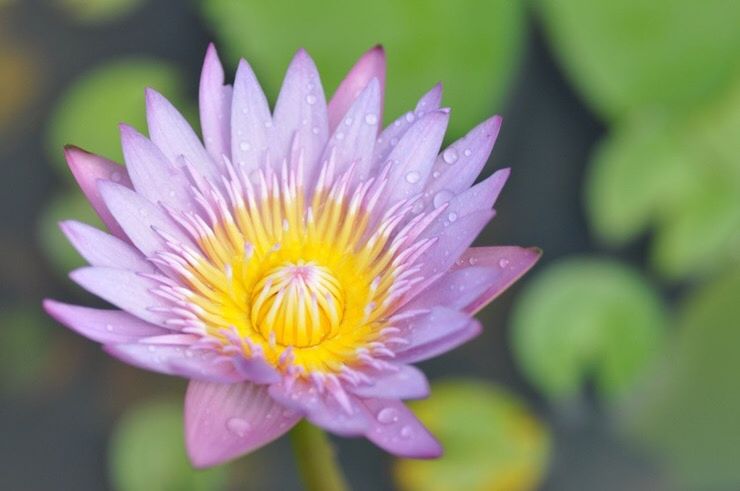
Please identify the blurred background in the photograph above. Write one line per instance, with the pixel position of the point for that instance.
(612, 365)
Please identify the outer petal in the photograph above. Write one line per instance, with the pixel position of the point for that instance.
(88, 168)
(458, 289)
(251, 121)
(300, 111)
(441, 344)
(511, 262)
(396, 430)
(407, 383)
(174, 135)
(370, 66)
(103, 326)
(224, 421)
(215, 107)
(101, 249)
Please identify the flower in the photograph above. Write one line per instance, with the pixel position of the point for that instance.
(295, 263)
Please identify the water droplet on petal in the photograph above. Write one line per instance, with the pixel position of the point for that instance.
(503, 262)
(406, 431)
(442, 197)
(410, 117)
(413, 177)
(450, 155)
(109, 327)
(452, 216)
(268, 124)
(371, 119)
(244, 146)
(311, 99)
(238, 426)
(387, 415)
(340, 136)
(467, 152)
(435, 174)
(315, 130)
(348, 121)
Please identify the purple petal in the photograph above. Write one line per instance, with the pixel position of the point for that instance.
(396, 430)
(225, 421)
(215, 107)
(88, 168)
(126, 290)
(370, 66)
(458, 288)
(174, 136)
(407, 383)
(257, 370)
(300, 111)
(447, 340)
(393, 133)
(153, 175)
(511, 263)
(251, 121)
(460, 164)
(101, 249)
(103, 326)
(140, 218)
(322, 409)
(438, 323)
(176, 360)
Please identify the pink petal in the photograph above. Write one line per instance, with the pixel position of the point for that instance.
(103, 326)
(125, 289)
(251, 121)
(174, 136)
(440, 322)
(370, 66)
(225, 421)
(140, 218)
(300, 111)
(88, 168)
(153, 175)
(460, 164)
(215, 107)
(407, 383)
(440, 345)
(396, 430)
(101, 249)
(458, 288)
(511, 262)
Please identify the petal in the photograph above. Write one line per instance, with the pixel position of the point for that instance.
(154, 176)
(126, 290)
(370, 66)
(140, 218)
(460, 164)
(511, 263)
(251, 121)
(101, 249)
(174, 136)
(103, 326)
(88, 168)
(440, 322)
(224, 421)
(407, 383)
(412, 159)
(300, 111)
(458, 289)
(442, 344)
(215, 107)
(176, 360)
(396, 430)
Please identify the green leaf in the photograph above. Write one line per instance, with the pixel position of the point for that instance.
(98, 11)
(24, 347)
(630, 54)
(72, 205)
(472, 46)
(686, 412)
(681, 176)
(491, 441)
(88, 113)
(586, 317)
(147, 452)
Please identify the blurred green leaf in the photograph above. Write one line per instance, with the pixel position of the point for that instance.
(24, 347)
(687, 410)
(492, 441)
(472, 46)
(633, 54)
(71, 205)
(20, 81)
(682, 176)
(88, 113)
(147, 452)
(584, 317)
(98, 11)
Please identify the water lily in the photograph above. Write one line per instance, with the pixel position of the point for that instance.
(293, 263)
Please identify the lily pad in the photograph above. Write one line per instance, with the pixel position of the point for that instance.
(584, 318)
(472, 46)
(492, 441)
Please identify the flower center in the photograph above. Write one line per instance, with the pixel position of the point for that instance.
(297, 304)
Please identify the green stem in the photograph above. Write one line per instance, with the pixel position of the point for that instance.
(317, 463)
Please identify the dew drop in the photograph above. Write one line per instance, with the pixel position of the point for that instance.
(109, 327)
(412, 177)
(348, 121)
(188, 353)
(238, 426)
(311, 99)
(450, 155)
(340, 136)
(268, 124)
(244, 146)
(472, 261)
(315, 130)
(503, 262)
(406, 431)
(244, 110)
(467, 152)
(410, 117)
(452, 216)
(371, 119)
(442, 197)
(387, 415)
(435, 174)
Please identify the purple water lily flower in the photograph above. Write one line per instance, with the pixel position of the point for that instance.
(295, 263)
